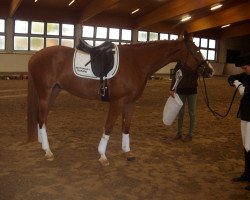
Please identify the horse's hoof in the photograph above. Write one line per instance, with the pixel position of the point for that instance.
(49, 156)
(130, 157)
(104, 162)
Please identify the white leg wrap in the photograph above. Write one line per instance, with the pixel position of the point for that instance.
(44, 138)
(125, 142)
(103, 145)
(245, 131)
(39, 134)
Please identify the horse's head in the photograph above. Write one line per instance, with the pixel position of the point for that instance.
(194, 58)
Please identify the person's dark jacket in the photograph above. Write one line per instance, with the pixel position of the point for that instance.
(244, 109)
(188, 84)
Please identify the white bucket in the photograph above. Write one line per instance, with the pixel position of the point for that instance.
(171, 109)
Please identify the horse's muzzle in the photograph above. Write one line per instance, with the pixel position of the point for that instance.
(208, 71)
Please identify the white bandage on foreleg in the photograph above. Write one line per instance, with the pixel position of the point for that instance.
(44, 137)
(103, 144)
(245, 131)
(125, 142)
(241, 88)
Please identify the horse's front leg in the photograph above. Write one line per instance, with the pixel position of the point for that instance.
(114, 111)
(126, 121)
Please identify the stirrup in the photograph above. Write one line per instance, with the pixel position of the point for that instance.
(104, 91)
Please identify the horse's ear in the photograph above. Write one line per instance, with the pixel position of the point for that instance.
(187, 36)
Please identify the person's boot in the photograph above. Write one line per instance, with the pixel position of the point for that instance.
(188, 138)
(178, 136)
(247, 187)
(245, 177)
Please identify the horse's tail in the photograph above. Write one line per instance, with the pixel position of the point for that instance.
(32, 109)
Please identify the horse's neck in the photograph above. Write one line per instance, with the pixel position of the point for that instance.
(153, 56)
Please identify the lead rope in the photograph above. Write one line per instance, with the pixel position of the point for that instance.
(205, 96)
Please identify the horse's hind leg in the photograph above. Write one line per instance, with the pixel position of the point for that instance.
(126, 121)
(43, 139)
(55, 91)
(44, 102)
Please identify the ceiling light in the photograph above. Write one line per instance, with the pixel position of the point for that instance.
(216, 6)
(71, 2)
(185, 18)
(36, 1)
(135, 11)
(227, 25)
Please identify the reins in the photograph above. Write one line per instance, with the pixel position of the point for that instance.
(205, 96)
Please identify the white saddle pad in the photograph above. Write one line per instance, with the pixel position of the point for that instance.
(81, 58)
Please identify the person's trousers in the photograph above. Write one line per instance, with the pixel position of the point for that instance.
(245, 133)
(191, 101)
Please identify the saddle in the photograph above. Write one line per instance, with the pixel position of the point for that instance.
(101, 57)
(102, 61)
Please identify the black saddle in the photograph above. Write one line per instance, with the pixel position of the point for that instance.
(101, 57)
(102, 61)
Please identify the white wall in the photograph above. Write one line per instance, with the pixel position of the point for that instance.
(218, 68)
(14, 62)
(166, 69)
(231, 69)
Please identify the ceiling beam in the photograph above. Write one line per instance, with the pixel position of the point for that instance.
(235, 31)
(229, 16)
(14, 6)
(162, 27)
(172, 9)
(94, 8)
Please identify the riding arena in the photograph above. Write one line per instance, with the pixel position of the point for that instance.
(83, 88)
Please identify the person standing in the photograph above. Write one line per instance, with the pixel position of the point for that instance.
(187, 91)
(242, 82)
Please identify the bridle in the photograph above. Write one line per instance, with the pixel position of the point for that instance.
(200, 64)
(204, 92)
(205, 96)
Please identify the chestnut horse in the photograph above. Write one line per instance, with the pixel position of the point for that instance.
(50, 71)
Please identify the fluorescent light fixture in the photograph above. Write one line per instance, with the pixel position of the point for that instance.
(185, 18)
(216, 6)
(135, 11)
(227, 25)
(36, 1)
(71, 2)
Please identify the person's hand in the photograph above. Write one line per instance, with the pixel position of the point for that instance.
(237, 83)
(171, 92)
(231, 80)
